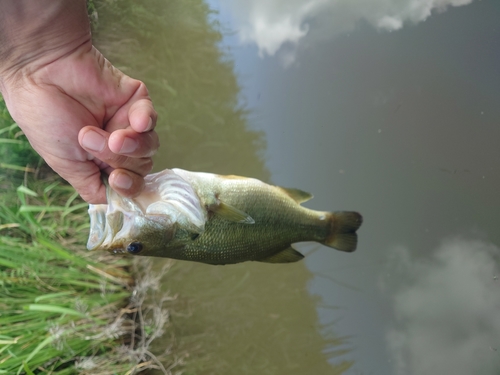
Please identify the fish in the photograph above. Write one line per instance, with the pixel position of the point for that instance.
(216, 219)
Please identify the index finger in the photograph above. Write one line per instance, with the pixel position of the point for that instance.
(136, 111)
(142, 116)
(131, 143)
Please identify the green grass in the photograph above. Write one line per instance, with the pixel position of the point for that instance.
(64, 310)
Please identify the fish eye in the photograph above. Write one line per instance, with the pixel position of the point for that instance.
(134, 247)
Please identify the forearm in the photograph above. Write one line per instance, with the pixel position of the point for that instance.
(36, 32)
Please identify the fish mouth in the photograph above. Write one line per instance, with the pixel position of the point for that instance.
(116, 251)
(167, 200)
(111, 222)
(107, 227)
(98, 227)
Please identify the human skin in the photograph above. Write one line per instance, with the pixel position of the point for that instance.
(81, 114)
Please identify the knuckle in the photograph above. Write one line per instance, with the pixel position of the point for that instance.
(154, 142)
(154, 116)
(142, 90)
(115, 160)
(91, 194)
(147, 166)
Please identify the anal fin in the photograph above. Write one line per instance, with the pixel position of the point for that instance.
(288, 255)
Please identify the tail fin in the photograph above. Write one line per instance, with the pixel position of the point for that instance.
(344, 225)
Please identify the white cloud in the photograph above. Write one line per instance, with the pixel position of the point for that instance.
(390, 23)
(270, 24)
(446, 310)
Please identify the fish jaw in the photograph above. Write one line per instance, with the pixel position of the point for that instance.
(108, 225)
(167, 202)
(115, 230)
(150, 232)
(106, 220)
(125, 223)
(98, 225)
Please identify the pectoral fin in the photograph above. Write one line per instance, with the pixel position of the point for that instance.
(288, 255)
(228, 212)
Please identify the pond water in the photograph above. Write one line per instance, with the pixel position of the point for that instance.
(391, 110)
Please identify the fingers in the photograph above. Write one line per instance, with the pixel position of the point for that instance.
(126, 183)
(126, 172)
(136, 113)
(96, 141)
(141, 115)
(84, 176)
(132, 126)
(130, 143)
(92, 189)
(87, 180)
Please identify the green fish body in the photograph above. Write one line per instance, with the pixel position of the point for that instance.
(216, 219)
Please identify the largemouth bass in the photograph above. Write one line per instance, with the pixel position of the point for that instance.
(216, 219)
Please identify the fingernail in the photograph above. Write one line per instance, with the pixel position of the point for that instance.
(129, 145)
(123, 181)
(93, 141)
(150, 124)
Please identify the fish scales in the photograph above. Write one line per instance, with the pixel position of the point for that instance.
(279, 221)
(239, 219)
(233, 242)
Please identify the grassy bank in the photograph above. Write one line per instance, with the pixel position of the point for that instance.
(63, 310)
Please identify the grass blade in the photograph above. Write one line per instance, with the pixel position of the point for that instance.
(54, 309)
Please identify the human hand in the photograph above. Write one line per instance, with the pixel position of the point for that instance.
(84, 116)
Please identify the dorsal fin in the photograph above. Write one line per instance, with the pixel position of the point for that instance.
(297, 195)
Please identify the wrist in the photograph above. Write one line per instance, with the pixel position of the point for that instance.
(34, 33)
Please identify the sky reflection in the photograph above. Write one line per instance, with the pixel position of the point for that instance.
(280, 25)
(403, 127)
(446, 309)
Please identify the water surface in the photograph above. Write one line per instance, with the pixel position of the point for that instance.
(399, 123)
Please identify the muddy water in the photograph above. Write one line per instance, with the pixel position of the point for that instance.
(242, 319)
(401, 126)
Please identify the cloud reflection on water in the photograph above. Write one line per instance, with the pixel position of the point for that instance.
(446, 310)
(277, 23)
